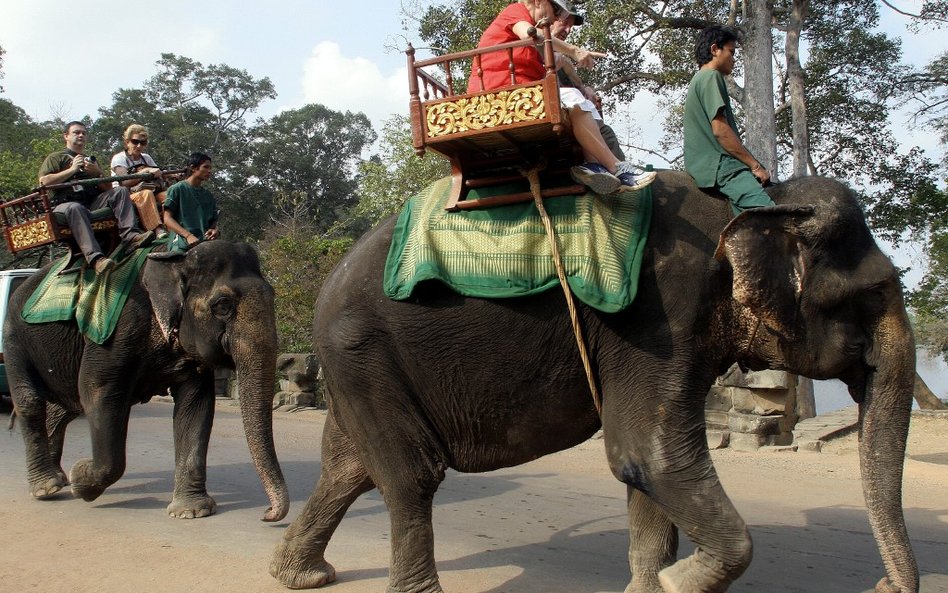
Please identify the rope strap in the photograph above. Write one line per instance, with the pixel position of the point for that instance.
(533, 175)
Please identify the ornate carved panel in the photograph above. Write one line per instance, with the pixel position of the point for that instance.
(486, 111)
(34, 233)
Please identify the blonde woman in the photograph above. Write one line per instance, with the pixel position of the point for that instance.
(134, 160)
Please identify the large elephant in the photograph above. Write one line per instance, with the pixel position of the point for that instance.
(184, 317)
(443, 381)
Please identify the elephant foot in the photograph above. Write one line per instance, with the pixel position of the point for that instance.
(84, 483)
(886, 586)
(691, 575)
(430, 586)
(46, 487)
(192, 507)
(645, 585)
(288, 569)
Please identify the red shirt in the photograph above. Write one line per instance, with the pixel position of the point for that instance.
(528, 66)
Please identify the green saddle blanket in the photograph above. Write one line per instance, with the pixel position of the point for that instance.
(94, 301)
(504, 251)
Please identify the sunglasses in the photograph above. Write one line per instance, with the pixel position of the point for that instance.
(138, 142)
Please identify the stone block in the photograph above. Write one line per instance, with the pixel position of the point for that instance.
(294, 398)
(719, 398)
(769, 380)
(748, 441)
(718, 439)
(810, 446)
(778, 449)
(753, 401)
(715, 419)
(734, 377)
(754, 424)
(298, 370)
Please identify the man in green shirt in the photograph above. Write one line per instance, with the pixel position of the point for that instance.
(190, 210)
(714, 153)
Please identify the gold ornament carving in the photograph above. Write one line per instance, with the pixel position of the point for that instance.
(486, 111)
(34, 233)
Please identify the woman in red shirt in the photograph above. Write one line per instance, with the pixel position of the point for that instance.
(602, 172)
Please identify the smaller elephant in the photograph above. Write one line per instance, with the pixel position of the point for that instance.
(185, 316)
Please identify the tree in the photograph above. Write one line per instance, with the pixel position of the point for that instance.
(308, 158)
(295, 262)
(387, 180)
(189, 107)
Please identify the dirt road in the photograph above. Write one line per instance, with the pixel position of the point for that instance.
(557, 524)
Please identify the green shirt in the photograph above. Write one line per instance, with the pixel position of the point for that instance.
(60, 161)
(707, 95)
(194, 208)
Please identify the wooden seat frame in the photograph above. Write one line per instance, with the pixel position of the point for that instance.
(30, 222)
(490, 136)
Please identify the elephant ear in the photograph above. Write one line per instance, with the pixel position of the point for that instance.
(767, 253)
(165, 284)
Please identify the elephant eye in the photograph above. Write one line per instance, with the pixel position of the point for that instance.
(223, 307)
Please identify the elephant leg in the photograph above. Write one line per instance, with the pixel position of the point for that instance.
(653, 543)
(108, 424)
(57, 419)
(45, 476)
(193, 418)
(674, 468)
(299, 561)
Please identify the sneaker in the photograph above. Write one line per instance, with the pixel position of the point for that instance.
(141, 240)
(631, 180)
(595, 177)
(103, 264)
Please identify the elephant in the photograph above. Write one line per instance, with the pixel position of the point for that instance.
(185, 316)
(441, 381)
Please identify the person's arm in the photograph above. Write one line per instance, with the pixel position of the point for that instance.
(583, 57)
(172, 225)
(64, 175)
(729, 141)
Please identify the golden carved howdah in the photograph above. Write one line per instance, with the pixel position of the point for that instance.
(486, 111)
(31, 234)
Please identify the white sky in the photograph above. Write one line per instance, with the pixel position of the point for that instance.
(66, 58)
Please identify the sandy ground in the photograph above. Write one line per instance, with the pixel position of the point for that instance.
(556, 524)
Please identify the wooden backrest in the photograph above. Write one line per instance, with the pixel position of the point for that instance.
(489, 123)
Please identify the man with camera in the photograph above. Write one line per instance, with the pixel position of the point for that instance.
(78, 201)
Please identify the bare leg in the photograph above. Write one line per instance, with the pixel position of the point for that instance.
(299, 561)
(586, 131)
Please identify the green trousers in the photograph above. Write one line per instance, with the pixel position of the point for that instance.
(742, 189)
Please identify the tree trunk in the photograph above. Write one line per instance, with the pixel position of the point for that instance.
(926, 399)
(760, 133)
(801, 134)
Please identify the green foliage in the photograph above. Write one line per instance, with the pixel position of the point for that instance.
(393, 176)
(309, 157)
(295, 262)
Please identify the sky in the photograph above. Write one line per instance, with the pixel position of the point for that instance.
(339, 54)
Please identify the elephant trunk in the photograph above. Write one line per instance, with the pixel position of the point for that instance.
(254, 351)
(884, 416)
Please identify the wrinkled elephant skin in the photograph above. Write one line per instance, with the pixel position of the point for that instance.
(184, 317)
(442, 381)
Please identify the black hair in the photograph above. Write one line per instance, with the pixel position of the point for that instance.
(714, 35)
(74, 123)
(196, 160)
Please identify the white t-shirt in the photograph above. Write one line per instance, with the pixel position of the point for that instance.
(123, 160)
